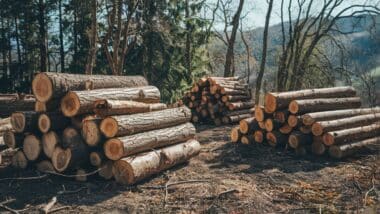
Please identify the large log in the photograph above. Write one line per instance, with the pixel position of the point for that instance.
(131, 124)
(91, 132)
(8, 105)
(294, 120)
(81, 102)
(348, 135)
(285, 129)
(272, 124)
(106, 108)
(247, 139)
(117, 148)
(52, 121)
(135, 168)
(281, 100)
(32, 147)
(241, 105)
(298, 138)
(13, 140)
(97, 158)
(325, 104)
(248, 125)
(25, 121)
(49, 85)
(319, 128)
(259, 136)
(341, 151)
(310, 118)
(50, 140)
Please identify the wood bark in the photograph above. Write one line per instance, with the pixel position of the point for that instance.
(239, 112)
(131, 124)
(25, 121)
(319, 128)
(135, 168)
(235, 118)
(348, 135)
(117, 148)
(50, 85)
(52, 121)
(235, 98)
(81, 102)
(341, 151)
(106, 108)
(10, 104)
(324, 104)
(281, 100)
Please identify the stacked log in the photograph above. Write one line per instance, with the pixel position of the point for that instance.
(83, 124)
(317, 121)
(219, 100)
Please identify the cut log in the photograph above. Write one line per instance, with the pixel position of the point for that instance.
(247, 139)
(81, 102)
(235, 135)
(106, 170)
(310, 118)
(285, 129)
(91, 132)
(25, 121)
(47, 85)
(12, 104)
(298, 138)
(260, 114)
(133, 169)
(235, 119)
(19, 160)
(271, 124)
(319, 128)
(348, 135)
(233, 92)
(131, 124)
(305, 129)
(13, 140)
(259, 136)
(52, 121)
(341, 151)
(97, 158)
(281, 116)
(241, 105)
(106, 108)
(248, 125)
(32, 147)
(76, 155)
(235, 98)
(239, 112)
(281, 100)
(50, 106)
(275, 138)
(117, 148)
(324, 104)
(50, 140)
(294, 120)
(317, 147)
(45, 166)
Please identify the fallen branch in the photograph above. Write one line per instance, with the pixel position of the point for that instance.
(50, 205)
(25, 178)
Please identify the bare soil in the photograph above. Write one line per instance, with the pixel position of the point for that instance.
(224, 178)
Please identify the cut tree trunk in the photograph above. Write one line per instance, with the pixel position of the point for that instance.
(285, 129)
(135, 168)
(241, 105)
(281, 116)
(235, 118)
(117, 148)
(131, 124)
(298, 138)
(341, 151)
(75, 156)
(319, 128)
(32, 147)
(325, 104)
(25, 121)
(294, 121)
(71, 136)
(52, 121)
(12, 104)
(13, 140)
(247, 139)
(50, 140)
(97, 158)
(91, 132)
(233, 92)
(276, 138)
(235, 135)
(260, 114)
(348, 135)
(281, 100)
(272, 124)
(248, 125)
(81, 102)
(306, 129)
(235, 98)
(106, 108)
(49, 85)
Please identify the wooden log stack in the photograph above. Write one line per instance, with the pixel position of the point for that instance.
(314, 121)
(219, 100)
(114, 126)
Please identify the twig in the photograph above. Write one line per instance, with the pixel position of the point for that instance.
(73, 176)
(50, 205)
(370, 190)
(12, 210)
(226, 192)
(7, 201)
(58, 209)
(172, 184)
(25, 178)
(64, 191)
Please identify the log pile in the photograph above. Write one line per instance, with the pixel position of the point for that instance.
(315, 121)
(112, 125)
(219, 100)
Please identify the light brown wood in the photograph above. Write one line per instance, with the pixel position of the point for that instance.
(82, 102)
(136, 168)
(353, 134)
(259, 136)
(248, 125)
(52, 121)
(235, 98)
(345, 150)
(25, 121)
(247, 139)
(91, 131)
(294, 120)
(235, 135)
(106, 170)
(32, 147)
(13, 140)
(49, 141)
(50, 85)
(324, 104)
(285, 129)
(74, 156)
(281, 100)
(276, 138)
(117, 148)
(235, 118)
(271, 124)
(106, 108)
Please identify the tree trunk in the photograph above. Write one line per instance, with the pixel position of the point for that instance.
(285, 129)
(8, 105)
(310, 118)
(25, 121)
(240, 105)
(52, 121)
(42, 35)
(61, 46)
(239, 112)
(82, 102)
(298, 138)
(235, 118)
(135, 168)
(319, 128)
(32, 147)
(75, 156)
(50, 85)
(135, 123)
(276, 138)
(248, 125)
(341, 151)
(106, 108)
(247, 139)
(276, 101)
(259, 136)
(117, 148)
(294, 121)
(50, 140)
(271, 124)
(348, 135)
(13, 140)
(235, 98)
(260, 114)
(91, 131)
(325, 104)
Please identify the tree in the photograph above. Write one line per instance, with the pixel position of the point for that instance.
(92, 37)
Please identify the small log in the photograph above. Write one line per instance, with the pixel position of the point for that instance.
(248, 125)
(45, 166)
(348, 135)
(298, 138)
(19, 160)
(235, 119)
(82, 102)
(106, 170)
(50, 85)
(32, 147)
(117, 148)
(281, 100)
(281, 116)
(25, 121)
(97, 158)
(259, 136)
(235, 135)
(130, 124)
(271, 124)
(91, 131)
(241, 105)
(233, 92)
(52, 121)
(135, 168)
(321, 127)
(341, 151)
(285, 129)
(325, 104)
(13, 140)
(235, 98)
(317, 147)
(247, 139)
(275, 138)
(50, 140)
(294, 120)
(106, 108)
(260, 114)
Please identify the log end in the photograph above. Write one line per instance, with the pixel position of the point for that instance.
(269, 125)
(18, 121)
(32, 147)
(293, 141)
(91, 132)
(39, 106)
(244, 126)
(61, 159)
(259, 136)
(70, 104)
(286, 129)
(245, 140)
(9, 139)
(42, 87)
(106, 170)
(317, 129)
(293, 107)
(113, 149)
(328, 139)
(292, 121)
(109, 127)
(259, 114)
(271, 139)
(49, 142)
(123, 172)
(318, 148)
(307, 120)
(235, 135)
(270, 103)
(44, 123)
(95, 159)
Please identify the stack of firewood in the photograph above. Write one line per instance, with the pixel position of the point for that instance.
(113, 125)
(219, 100)
(312, 121)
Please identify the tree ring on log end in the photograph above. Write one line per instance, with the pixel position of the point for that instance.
(44, 123)
(114, 149)
(9, 139)
(91, 132)
(109, 127)
(42, 87)
(293, 107)
(70, 104)
(32, 147)
(49, 142)
(18, 121)
(270, 103)
(293, 141)
(95, 160)
(61, 159)
(272, 140)
(123, 172)
(328, 139)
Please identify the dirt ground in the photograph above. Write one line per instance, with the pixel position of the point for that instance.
(224, 178)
